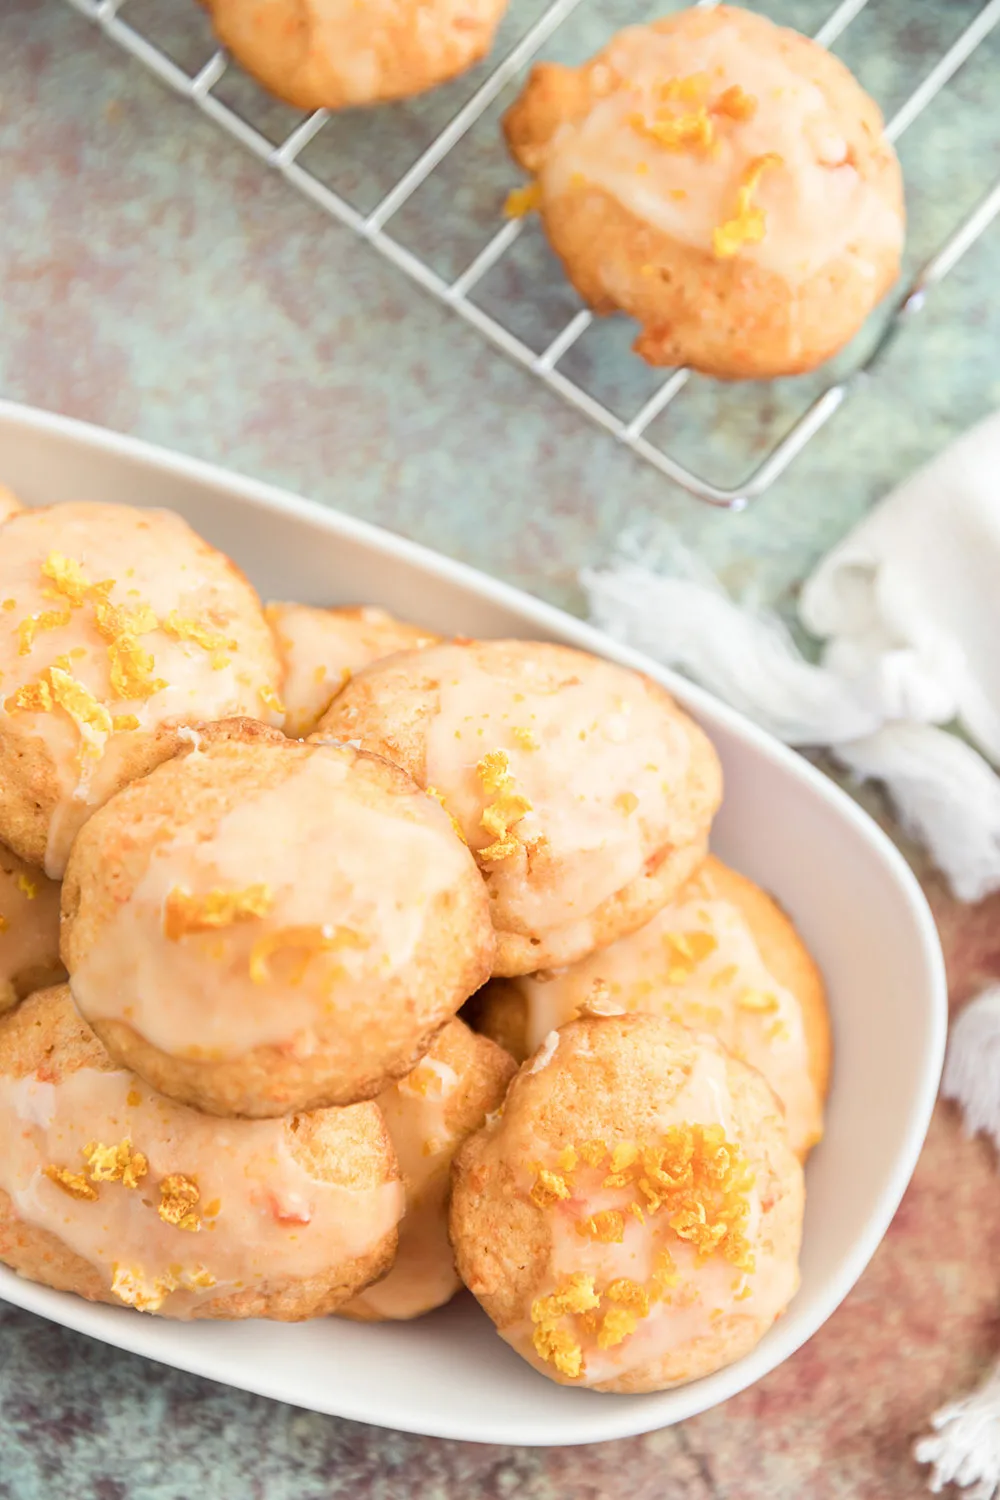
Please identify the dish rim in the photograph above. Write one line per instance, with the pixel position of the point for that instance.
(133, 1336)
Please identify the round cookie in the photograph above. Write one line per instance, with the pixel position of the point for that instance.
(117, 628)
(429, 1113)
(632, 1218)
(724, 181)
(262, 925)
(9, 503)
(119, 1195)
(321, 649)
(336, 54)
(29, 931)
(720, 957)
(583, 790)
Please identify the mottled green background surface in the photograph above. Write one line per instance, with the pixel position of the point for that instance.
(157, 279)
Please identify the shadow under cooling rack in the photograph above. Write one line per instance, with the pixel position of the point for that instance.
(424, 183)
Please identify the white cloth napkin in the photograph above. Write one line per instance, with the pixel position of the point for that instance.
(907, 611)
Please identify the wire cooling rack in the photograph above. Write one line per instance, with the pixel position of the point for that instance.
(527, 305)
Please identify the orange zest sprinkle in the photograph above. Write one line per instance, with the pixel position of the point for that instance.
(179, 1196)
(759, 1001)
(122, 723)
(116, 1163)
(693, 131)
(576, 1295)
(692, 89)
(506, 810)
(270, 700)
(607, 1226)
(748, 225)
(182, 628)
(524, 737)
(184, 913)
(593, 1152)
(27, 886)
(549, 1187)
(308, 940)
(432, 791)
(735, 104)
(73, 1183)
(50, 619)
(618, 1324)
(522, 201)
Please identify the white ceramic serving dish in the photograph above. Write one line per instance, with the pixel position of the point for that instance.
(782, 823)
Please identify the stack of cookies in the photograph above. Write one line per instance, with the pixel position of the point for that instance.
(294, 844)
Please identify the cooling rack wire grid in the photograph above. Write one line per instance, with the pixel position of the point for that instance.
(534, 318)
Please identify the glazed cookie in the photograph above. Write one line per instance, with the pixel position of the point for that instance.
(321, 649)
(29, 931)
(724, 181)
(121, 1196)
(117, 628)
(9, 503)
(262, 925)
(429, 1113)
(333, 54)
(583, 790)
(720, 957)
(631, 1220)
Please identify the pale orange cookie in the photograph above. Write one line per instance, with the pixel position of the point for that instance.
(583, 790)
(262, 925)
(321, 649)
(720, 957)
(9, 503)
(112, 1192)
(430, 1113)
(724, 181)
(29, 930)
(333, 54)
(118, 628)
(631, 1220)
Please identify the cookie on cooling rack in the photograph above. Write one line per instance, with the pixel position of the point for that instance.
(321, 649)
(112, 1192)
(29, 930)
(118, 628)
(632, 1218)
(724, 181)
(584, 792)
(722, 957)
(263, 925)
(429, 1113)
(335, 54)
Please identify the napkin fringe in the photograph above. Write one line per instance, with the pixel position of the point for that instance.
(965, 1446)
(972, 1067)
